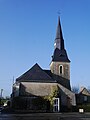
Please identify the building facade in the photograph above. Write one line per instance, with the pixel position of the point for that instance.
(46, 90)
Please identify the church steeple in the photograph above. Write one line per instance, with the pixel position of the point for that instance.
(60, 64)
(60, 53)
(59, 42)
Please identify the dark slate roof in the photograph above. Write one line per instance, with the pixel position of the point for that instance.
(60, 56)
(62, 81)
(59, 36)
(49, 72)
(59, 30)
(35, 74)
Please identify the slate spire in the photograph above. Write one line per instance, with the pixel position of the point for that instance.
(60, 54)
(59, 42)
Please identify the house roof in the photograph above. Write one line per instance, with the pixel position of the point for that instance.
(84, 91)
(37, 74)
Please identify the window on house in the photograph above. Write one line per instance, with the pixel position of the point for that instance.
(85, 98)
(60, 69)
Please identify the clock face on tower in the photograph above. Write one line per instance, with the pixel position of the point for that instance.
(55, 45)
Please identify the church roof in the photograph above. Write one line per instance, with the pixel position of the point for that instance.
(60, 55)
(37, 74)
(34, 89)
(59, 36)
(44, 89)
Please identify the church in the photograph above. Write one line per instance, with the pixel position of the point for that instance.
(39, 90)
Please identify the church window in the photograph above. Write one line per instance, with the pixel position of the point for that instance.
(60, 69)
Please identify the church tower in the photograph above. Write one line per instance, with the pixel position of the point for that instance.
(60, 64)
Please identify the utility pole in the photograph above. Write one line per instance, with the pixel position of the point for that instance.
(1, 93)
(1, 96)
(13, 79)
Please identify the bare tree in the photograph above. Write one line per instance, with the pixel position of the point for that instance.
(88, 89)
(75, 89)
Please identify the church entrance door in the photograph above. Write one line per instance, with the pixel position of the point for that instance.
(56, 105)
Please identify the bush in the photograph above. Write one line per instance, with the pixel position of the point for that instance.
(86, 107)
(39, 103)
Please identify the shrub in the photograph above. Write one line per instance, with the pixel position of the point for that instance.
(86, 107)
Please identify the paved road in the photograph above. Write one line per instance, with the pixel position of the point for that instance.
(45, 116)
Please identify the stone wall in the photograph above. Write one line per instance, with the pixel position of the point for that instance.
(66, 69)
(64, 78)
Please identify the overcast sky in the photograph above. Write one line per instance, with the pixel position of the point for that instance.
(27, 34)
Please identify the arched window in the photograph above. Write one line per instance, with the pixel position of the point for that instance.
(60, 69)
